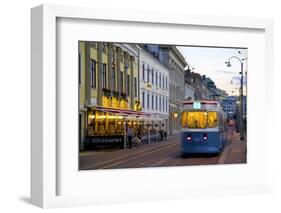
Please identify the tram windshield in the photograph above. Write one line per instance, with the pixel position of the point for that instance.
(199, 120)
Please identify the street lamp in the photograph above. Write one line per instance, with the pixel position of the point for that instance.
(241, 120)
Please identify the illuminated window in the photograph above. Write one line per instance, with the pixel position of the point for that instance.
(199, 120)
(212, 119)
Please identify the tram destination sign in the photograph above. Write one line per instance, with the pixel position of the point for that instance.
(196, 105)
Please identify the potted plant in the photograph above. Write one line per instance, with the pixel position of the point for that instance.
(123, 96)
(106, 92)
(115, 94)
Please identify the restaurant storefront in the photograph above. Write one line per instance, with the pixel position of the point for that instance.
(106, 127)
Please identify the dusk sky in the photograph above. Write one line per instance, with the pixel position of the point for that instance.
(211, 62)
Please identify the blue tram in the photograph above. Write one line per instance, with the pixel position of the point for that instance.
(203, 127)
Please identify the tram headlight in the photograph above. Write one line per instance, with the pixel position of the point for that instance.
(205, 137)
(188, 137)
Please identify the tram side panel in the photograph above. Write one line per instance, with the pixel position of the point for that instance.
(201, 141)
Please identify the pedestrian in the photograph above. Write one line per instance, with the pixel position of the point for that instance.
(130, 136)
(138, 137)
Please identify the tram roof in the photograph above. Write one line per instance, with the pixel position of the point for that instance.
(201, 101)
(204, 105)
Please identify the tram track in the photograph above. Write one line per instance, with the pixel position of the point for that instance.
(146, 149)
(133, 157)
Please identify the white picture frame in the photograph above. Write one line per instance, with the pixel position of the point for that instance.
(44, 148)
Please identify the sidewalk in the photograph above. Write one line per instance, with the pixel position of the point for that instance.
(235, 150)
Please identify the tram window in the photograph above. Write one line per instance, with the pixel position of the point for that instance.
(197, 120)
(184, 120)
(212, 119)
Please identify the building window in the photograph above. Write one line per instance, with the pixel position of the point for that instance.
(113, 75)
(160, 107)
(128, 84)
(156, 78)
(152, 102)
(147, 73)
(93, 73)
(163, 104)
(166, 83)
(104, 47)
(104, 76)
(152, 76)
(136, 87)
(156, 102)
(143, 71)
(160, 80)
(147, 101)
(121, 81)
(143, 101)
(79, 68)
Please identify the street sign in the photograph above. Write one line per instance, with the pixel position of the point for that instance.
(196, 105)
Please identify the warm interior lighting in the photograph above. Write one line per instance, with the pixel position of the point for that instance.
(92, 116)
(101, 116)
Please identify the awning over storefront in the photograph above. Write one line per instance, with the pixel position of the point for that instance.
(123, 112)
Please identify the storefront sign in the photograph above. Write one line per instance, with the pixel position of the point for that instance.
(107, 139)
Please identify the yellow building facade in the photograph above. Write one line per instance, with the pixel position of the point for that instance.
(108, 80)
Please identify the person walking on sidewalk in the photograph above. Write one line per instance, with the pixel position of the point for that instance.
(130, 136)
(138, 137)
